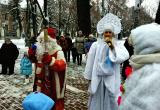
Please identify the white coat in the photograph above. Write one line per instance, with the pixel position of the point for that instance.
(142, 88)
(94, 72)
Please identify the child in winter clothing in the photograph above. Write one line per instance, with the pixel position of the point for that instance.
(26, 67)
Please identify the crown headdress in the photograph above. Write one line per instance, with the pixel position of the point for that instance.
(109, 19)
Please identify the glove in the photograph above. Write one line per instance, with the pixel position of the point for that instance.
(128, 71)
(46, 59)
(119, 100)
(31, 52)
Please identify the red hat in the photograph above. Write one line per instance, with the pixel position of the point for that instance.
(52, 32)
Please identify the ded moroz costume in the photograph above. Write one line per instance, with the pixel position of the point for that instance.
(50, 75)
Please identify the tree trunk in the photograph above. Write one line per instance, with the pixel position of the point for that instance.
(34, 21)
(28, 25)
(83, 13)
(19, 20)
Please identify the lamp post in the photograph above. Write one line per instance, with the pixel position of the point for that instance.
(103, 8)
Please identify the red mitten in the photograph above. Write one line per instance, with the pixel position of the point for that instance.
(122, 88)
(59, 65)
(31, 52)
(128, 71)
(46, 59)
(119, 100)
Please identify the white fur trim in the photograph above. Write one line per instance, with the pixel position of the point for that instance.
(55, 49)
(38, 70)
(60, 94)
(52, 61)
(38, 89)
(60, 55)
(57, 85)
(63, 89)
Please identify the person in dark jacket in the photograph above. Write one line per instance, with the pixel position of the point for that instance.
(126, 63)
(63, 43)
(74, 52)
(8, 53)
(69, 46)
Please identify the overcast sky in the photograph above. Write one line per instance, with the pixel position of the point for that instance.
(130, 3)
(23, 4)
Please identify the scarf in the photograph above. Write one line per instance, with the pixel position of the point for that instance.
(138, 61)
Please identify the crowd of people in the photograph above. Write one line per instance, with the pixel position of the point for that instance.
(80, 46)
(50, 57)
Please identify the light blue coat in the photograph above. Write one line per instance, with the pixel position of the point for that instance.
(25, 66)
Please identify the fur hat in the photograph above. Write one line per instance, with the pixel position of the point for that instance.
(149, 34)
(52, 32)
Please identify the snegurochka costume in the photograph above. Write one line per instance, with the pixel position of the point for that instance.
(103, 66)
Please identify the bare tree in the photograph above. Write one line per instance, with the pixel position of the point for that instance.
(15, 10)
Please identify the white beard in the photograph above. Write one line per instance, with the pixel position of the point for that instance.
(50, 47)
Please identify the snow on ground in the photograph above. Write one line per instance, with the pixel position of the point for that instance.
(13, 90)
(12, 87)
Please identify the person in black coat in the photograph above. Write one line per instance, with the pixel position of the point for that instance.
(8, 54)
(69, 46)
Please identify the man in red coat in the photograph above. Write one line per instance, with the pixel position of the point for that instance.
(50, 77)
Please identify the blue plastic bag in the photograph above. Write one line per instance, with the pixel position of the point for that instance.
(37, 101)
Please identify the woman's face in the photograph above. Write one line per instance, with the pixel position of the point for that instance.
(80, 33)
(108, 34)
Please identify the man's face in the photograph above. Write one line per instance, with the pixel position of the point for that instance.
(7, 41)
